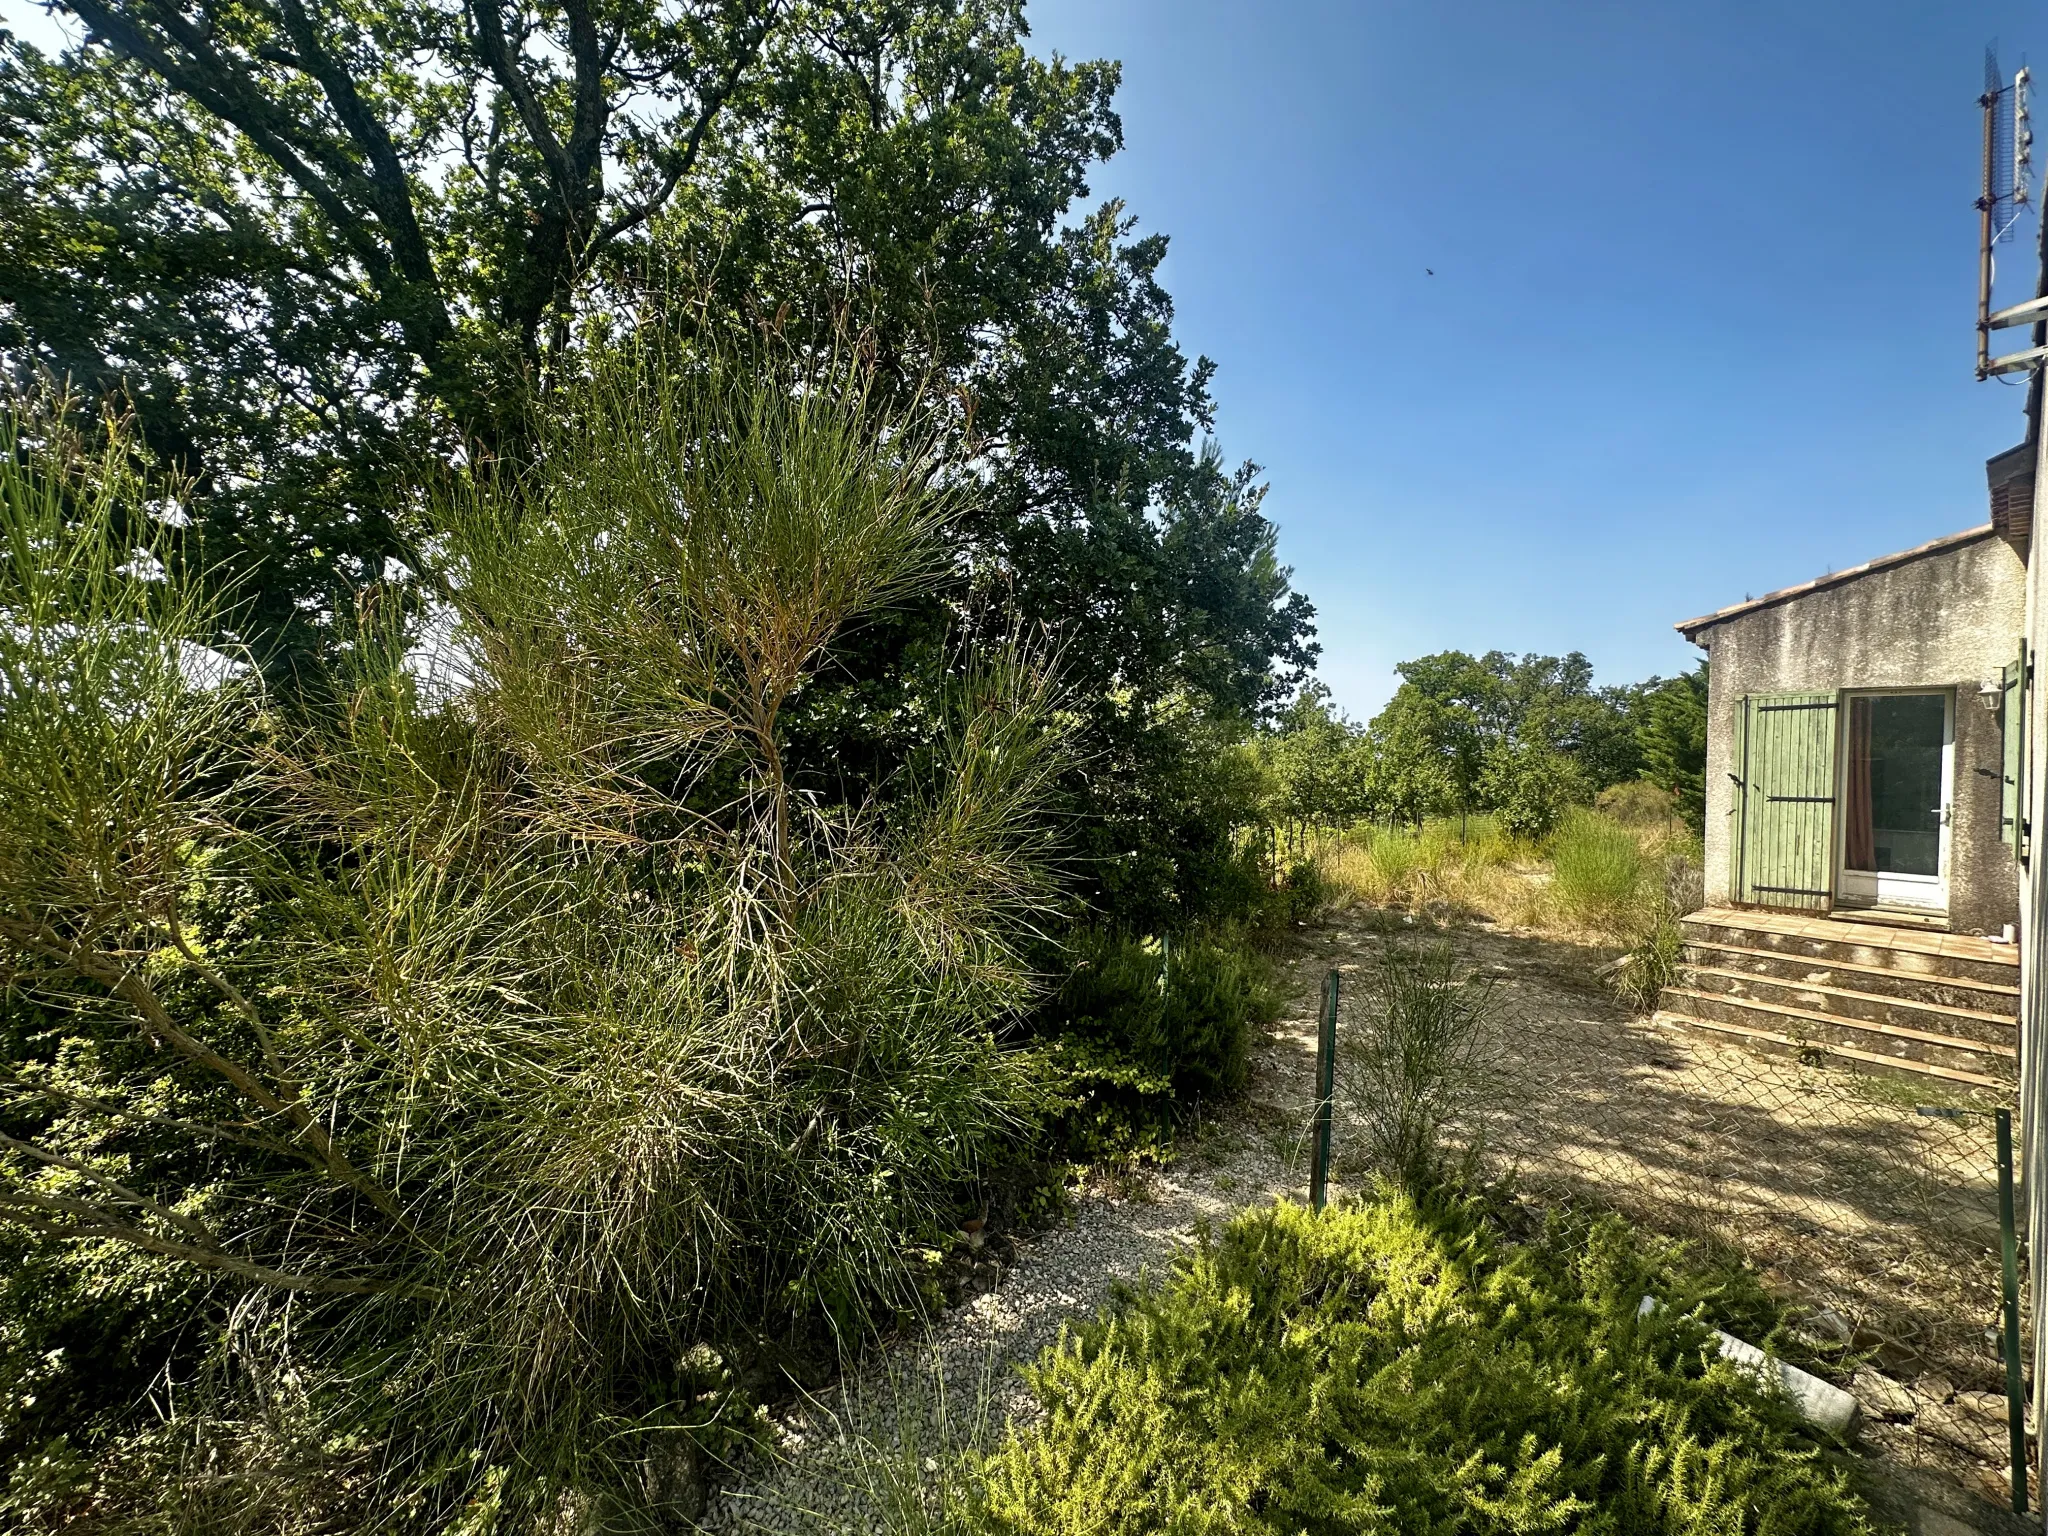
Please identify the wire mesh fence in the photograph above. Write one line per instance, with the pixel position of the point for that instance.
(1869, 1199)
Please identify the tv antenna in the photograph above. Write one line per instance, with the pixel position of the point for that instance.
(2008, 188)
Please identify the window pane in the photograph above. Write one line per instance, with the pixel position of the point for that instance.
(1906, 733)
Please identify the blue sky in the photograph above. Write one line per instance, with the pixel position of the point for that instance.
(1701, 324)
(1701, 318)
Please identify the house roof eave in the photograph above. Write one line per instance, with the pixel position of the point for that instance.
(1693, 628)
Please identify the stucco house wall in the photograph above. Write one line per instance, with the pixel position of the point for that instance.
(1946, 615)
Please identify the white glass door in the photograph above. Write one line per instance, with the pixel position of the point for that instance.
(1898, 779)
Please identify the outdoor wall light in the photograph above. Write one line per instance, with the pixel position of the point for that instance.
(1990, 692)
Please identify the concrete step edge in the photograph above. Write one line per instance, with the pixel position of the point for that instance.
(1945, 1010)
(1865, 1026)
(1673, 1020)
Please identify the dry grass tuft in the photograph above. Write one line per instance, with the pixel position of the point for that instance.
(1596, 880)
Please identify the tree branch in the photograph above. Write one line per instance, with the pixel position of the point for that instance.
(126, 984)
(713, 103)
(187, 1224)
(36, 1213)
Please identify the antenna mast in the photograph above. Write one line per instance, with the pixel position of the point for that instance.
(2008, 177)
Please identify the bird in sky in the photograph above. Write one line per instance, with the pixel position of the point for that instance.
(1429, 271)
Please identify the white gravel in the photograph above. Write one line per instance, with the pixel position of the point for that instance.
(846, 1456)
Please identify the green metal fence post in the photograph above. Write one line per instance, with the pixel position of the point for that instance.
(1326, 1086)
(2015, 1393)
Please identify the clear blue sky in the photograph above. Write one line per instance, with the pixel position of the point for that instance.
(1701, 318)
(1701, 323)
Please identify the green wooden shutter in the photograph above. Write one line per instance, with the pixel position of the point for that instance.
(1788, 819)
(2012, 819)
(1738, 770)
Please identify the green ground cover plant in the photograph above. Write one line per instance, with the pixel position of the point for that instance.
(1399, 1366)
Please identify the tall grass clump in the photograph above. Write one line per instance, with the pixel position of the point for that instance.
(1598, 870)
(1367, 867)
(1422, 1069)
(1654, 959)
(525, 1077)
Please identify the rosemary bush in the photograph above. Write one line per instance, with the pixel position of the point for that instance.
(1393, 1367)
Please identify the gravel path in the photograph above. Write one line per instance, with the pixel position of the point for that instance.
(962, 1384)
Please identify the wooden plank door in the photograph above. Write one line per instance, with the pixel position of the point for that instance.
(1786, 836)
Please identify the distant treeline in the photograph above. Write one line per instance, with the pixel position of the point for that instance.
(1521, 738)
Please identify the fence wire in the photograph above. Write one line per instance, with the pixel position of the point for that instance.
(1881, 1221)
(1831, 1182)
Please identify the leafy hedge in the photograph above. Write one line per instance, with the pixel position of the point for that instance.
(1393, 1368)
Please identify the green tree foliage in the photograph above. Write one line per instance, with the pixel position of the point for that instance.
(1523, 736)
(1454, 710)
(1547, 703)
(1673, 741)
(511, 1074)
(1317, 770)
(1392, 1367)
(1412, 757)
(1529, 787)
(309, 245)
(314, 249)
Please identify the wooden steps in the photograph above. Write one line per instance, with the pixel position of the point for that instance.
(1899, 1000)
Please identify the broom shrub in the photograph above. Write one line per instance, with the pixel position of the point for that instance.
(513, 1085)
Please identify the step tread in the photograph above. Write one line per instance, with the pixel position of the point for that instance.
(1947, 946)
(1899, 1031)
(2008, 1020)
(1860, 967)
(1672, 1020)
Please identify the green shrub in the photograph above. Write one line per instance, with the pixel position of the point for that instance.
(1140, 1027)
(1531, 788)
(1390, 1368)
(1597, 868)
(1638, 803)
(1304, 892)
(1488, 843)
(476, 1067)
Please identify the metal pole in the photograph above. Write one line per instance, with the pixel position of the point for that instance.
(2015, 1393)
(1990, 103)
(1326, 1087)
